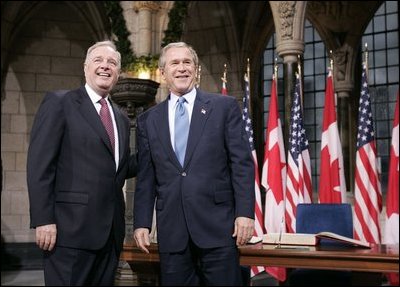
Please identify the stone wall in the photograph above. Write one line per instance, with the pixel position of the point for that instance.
(48, 55)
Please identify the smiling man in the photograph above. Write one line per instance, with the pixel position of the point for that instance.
(78, 160)
(195, 165)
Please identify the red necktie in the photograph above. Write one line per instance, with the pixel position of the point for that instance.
(105, 117)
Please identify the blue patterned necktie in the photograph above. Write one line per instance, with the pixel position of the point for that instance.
(181, 129)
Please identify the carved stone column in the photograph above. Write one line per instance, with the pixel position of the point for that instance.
(343, 71)
(134, 96)
(145, 9)
(289, 22)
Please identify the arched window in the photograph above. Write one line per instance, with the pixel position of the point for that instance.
(382, 39)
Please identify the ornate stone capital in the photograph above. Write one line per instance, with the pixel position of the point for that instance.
(146, 5)
(286, 11)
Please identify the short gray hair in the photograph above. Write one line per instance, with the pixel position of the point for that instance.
(106, 43)
(161, 61)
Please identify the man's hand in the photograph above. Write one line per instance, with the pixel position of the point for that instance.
(244, 229)
(142, 238)
(46, 236)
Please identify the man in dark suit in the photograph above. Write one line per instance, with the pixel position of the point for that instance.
(76, 168)
(205, 203)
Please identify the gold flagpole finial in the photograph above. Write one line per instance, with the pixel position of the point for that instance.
(299, 65)
(366, 57)
(224, 79)
(331, 60)
(248, 69)
(247, 73)
(198, 76)
(276, 68)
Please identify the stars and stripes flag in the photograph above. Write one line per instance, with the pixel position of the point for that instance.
(332, 183)
(274, 176)
(298, 179)
(391, 234)
(258, 216)
(367, 191)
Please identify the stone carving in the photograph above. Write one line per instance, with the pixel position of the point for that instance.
(339, 64)
(150, 5)
(286, 14)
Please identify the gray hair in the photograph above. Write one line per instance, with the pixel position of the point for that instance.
(106, 43)
(161, 61)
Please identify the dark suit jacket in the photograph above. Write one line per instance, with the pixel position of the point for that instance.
(71, 172)
(215, 186)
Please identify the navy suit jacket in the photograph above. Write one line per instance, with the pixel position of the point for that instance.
(215, 185)
(71, 171)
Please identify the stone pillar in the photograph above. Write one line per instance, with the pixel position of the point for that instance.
(145, 9)
(134, 96)
(343, 86)
(289, 24)
(289, 77)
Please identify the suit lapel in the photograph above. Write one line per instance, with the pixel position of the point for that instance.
(121, 131)
(161, 125)
(89, 112)
(201, 111)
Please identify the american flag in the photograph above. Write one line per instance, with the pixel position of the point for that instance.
(332, 183)
(258, 216)
(391, 235)
(274, 176)
(367, 191)
(298, 179)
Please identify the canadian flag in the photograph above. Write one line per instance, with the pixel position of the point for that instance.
(274, 176)
(391, 233)
(332, 183)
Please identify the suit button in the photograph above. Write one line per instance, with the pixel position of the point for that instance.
(183, 173)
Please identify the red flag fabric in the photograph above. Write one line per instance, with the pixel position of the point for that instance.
(332, 183)
(258, 216)
(298, 179)
(224, 90)
(391, 233)
(274, 176)
(367, 191)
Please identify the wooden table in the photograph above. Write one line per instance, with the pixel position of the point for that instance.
(378, 259)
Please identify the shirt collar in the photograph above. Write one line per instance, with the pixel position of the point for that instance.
(190, 97)
(94, 97)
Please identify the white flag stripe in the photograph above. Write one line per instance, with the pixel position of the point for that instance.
(366, 216)
(366, 178)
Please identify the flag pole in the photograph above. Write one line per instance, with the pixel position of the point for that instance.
(331, 71)
(247, 74)
(198, 76)
(300, 80)
(224, 79)
(366, 59)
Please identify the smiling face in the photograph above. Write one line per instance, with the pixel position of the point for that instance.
(179, 71)
(102, 68)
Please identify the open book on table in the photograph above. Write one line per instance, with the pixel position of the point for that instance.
(310, 239)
